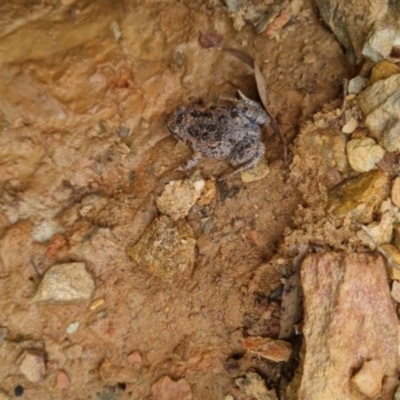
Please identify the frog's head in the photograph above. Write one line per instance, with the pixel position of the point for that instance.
(174, 122)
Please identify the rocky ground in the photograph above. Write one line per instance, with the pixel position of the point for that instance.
(122, 278)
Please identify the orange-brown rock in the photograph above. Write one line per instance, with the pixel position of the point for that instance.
(350, 329)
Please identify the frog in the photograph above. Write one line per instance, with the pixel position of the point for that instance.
(226, 131)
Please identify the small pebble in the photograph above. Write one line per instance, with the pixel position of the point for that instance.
(350, 126)
(135, 358)
(357, 84)
(96, 303)
(62, 380)
(72, 328)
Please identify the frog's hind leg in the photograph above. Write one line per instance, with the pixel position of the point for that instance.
(192, 162)
(246, 154)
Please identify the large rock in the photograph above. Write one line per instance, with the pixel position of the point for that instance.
(65, 283)
(380, 41)
(358, 198)
(380, 105)
(351, 330)
(352, 20)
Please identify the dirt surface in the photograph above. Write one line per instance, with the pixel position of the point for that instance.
(85, 152)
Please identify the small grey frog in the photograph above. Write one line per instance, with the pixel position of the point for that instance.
(219, 132)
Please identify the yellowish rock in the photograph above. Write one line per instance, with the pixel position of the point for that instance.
(260, 171)
(397, 237)
(96, 303)
(166, 249)
(395, 194)
(383, 70)
(358, 198)
(208, 194)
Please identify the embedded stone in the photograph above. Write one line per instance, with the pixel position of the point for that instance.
(64, 283)
(166, 249)
(363, 153)
(358, 198)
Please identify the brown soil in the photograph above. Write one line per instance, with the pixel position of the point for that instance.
(85, 152)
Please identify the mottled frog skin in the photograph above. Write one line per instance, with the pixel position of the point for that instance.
(220, 132)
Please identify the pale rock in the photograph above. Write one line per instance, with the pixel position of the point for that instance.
(396, 291)
(346, 304)
(166, 249)
(227, 397)
(253, 385)
(350, 126)
(378, 233)
(380, 41)
(357, 84)
(72, 327)
(33, 365)
(358, 198)
(380, 105)
(64, 283)
(62, 380)
(272, 349)
(180, 196)
(363, 153)
(369, 378)
(351, 22)
(395, 194)
(167, 389)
